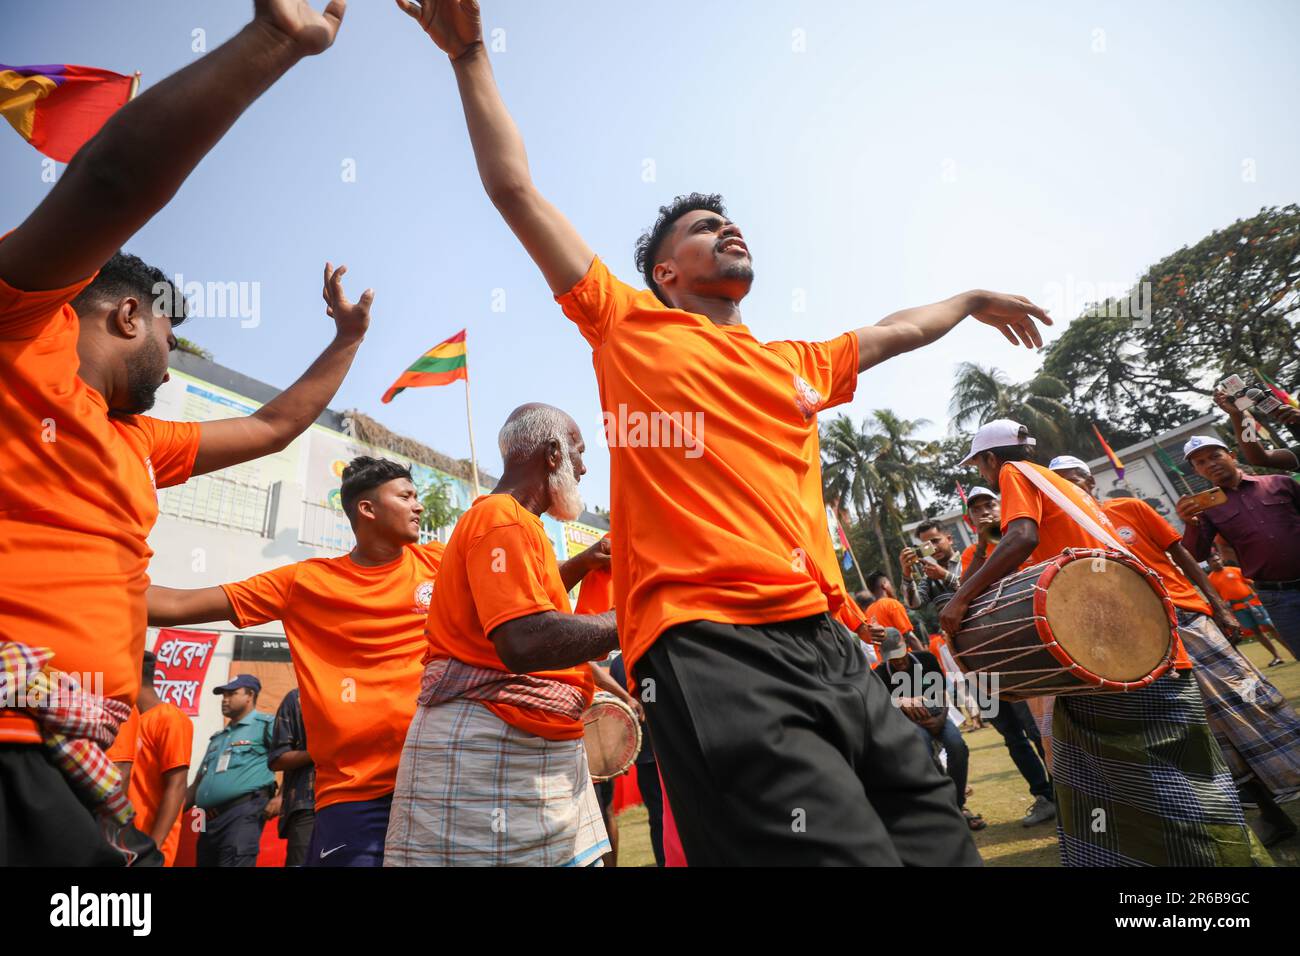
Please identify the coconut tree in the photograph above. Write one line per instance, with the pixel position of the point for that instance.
(983, 394)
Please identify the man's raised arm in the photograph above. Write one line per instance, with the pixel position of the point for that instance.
(135, 164)
(548, 237)
(908, 329)
(273, 426)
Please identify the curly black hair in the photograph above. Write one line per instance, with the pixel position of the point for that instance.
(124, 275)
(647, 247)
(364, 474)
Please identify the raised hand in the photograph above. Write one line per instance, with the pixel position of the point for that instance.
(1013, 316)
(351, 319)
(1225, 402)
(310, 31)
(454, 25)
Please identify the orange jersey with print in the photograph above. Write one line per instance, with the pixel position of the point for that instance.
(77, 501)
(356, 634)
(166, 737)
(500, 566)
(889, 612)
(1231, 584)
(715, 473)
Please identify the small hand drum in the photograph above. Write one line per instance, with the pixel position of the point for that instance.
(1085, 622)
(612, 736)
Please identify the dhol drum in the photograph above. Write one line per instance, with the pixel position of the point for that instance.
(612, 736)
(1085, 622)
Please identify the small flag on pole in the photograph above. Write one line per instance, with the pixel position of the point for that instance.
(441, 365)
(1280, 393)
(965, 508)
(59, 107)
(1114, 458)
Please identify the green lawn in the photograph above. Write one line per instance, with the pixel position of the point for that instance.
(1001, 796)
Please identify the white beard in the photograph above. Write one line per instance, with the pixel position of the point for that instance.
(566, 502)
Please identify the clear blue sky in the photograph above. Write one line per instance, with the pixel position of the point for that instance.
(909, 152)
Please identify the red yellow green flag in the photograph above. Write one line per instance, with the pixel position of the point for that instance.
(441, 365)
(1281, 394)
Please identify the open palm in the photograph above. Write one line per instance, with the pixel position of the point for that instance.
(350, 318)
(454, 25)
(1013, 316)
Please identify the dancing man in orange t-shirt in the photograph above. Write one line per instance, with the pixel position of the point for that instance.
(1256, 728)
(493, 771)
(84, 336)
(722, 581)
(1138, 776)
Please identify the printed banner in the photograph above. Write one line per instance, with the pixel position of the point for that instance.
(183, 659)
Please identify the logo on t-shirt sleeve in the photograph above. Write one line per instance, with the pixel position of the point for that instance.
(806, 398)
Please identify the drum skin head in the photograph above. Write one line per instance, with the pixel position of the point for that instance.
(1108, 618)
(612, 737)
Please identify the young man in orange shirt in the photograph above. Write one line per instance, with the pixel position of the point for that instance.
(84, 337)
(886, 610)
(493, 771)
(1138, 776)
(717, 506)
(1253, 621)
(162, 763)
(1256, 728)
(355, 626)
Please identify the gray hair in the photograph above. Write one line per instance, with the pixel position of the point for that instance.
(529, 428)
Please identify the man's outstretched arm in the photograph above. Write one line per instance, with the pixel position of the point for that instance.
(169, 607)
(135, 164)
(548, 237)
(903, 331)
(273, 426)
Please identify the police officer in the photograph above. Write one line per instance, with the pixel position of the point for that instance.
(234, 782)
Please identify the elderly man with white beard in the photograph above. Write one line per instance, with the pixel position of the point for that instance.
(493, 771)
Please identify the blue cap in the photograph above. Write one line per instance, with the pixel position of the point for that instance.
(241, 680)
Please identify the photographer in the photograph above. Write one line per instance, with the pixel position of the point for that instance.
(939, 564)
(1286, 459)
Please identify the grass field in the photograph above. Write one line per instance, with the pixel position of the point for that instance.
(1002, 798)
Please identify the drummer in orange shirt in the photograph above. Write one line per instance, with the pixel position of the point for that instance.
(1255, 726)
(84, 337)
(1143, 761)
(716, 500)
(493, 771)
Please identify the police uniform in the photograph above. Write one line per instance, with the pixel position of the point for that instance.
(235, 786)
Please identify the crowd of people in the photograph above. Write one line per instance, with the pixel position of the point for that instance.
(438, 715)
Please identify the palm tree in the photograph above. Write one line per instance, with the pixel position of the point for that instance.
(850, 475)
(902, 455)
(983, 394)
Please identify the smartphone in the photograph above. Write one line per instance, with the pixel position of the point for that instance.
(1207, 499)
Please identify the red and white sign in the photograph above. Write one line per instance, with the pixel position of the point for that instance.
(183, 659)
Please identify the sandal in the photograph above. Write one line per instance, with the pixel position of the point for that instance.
(973, 820)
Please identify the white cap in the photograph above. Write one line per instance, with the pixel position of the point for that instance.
(996, 434)
(1063, 462)
(1201, 441)
(979, 491)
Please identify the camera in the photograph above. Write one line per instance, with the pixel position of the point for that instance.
(1255, 398)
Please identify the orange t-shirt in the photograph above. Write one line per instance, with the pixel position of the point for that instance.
(1231, 584)
(122, 749)
(166, 737)
(889, 612)
(850, 615)
(356, 635)
(596, 593)
(1056, 530)
(1147, 535)
(715, 472)
(500, 566)
(77, 501)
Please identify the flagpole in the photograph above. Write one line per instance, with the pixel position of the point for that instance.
(135, 86)
(473, 457)
(848, 546)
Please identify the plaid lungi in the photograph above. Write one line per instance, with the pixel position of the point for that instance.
(472, 790)
(1140, 782)
(1256, 728)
